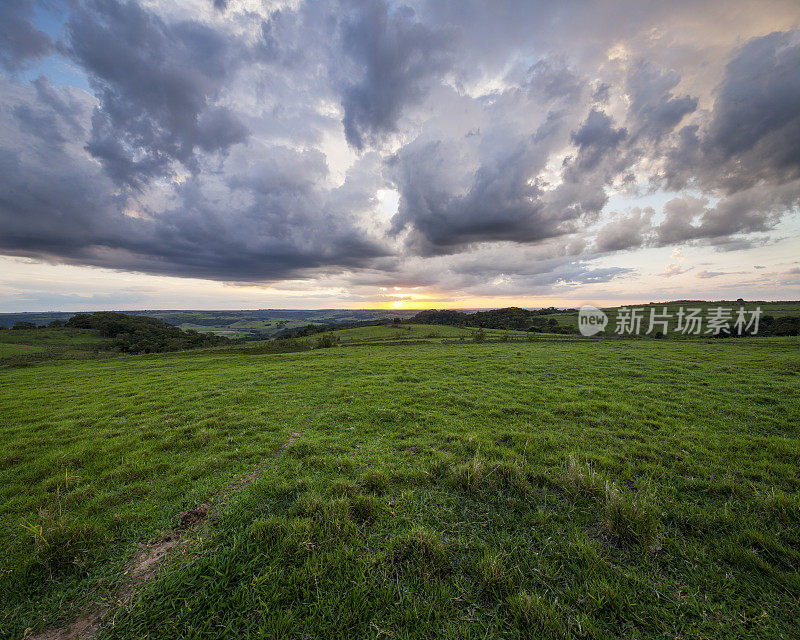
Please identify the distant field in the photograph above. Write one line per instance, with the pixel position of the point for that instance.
(51, 337)
(28, 346)
(12, 349)
(562, 487)
(380, 333)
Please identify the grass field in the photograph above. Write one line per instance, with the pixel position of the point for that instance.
(27, 346)
(554, 488)
(415, 332)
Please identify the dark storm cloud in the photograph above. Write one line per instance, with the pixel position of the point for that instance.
(447, 203)
(395, 58)
(754, 130)
(20, 41)
(274, 219)
(595, 139)
(157, 84)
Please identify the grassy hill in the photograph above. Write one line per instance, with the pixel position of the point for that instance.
(554, 488)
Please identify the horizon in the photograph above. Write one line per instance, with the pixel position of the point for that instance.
(404, 309)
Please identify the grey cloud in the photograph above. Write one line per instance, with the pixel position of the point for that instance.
(20, 41)
(222, 127)
(500, 203)
(626, 232)
(158, 85)
(654, 109)
(757, 209)
(596, 138)
(272, 220)
(755, 119)
(486, 186)
(754, 127)
(396, 57)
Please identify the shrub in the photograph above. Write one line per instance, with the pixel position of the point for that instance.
(325, 342)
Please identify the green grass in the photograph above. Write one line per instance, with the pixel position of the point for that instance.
(378, 334)
(13, 349)
(23, 347)
(51, 337)
(553, 488)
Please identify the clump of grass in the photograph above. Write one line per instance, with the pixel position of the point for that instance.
(495, 576)
(469, 476)
(475, 476)
(533, 613)
(343, 488)
(271, 530)
(375, 482)
(778, 504)
(509, 477)
(630, 517)
(59, 542)
(582, 479)
(313, 506)
(422, 552)
(365, 509)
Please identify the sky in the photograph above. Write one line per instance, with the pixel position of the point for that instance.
(242, 154)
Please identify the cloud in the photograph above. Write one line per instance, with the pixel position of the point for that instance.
(395, 57)
(752, 129)
(159, 86)
(626, 232)
(267, 220)
(757, 209)
(248, 142)
(653, 107)
(672, 270)
(20, 42)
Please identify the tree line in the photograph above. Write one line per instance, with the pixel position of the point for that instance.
(134, 333)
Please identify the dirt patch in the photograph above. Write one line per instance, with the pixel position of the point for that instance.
(150, 557)
(191, 517)
(85, 626)
(289, 442)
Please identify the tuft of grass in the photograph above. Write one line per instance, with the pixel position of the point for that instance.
(582, 479)
(376, 482)
(421, 551)
(469, 476)
(495, 575)
(366, 509)
(630, 517)
(534, 614)
(60, 542)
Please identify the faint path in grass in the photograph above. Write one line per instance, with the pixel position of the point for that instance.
(150, 557)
